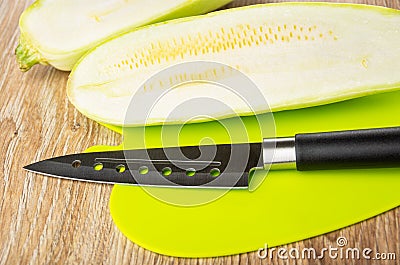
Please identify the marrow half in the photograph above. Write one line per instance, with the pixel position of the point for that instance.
(297, 54)
(59, 32)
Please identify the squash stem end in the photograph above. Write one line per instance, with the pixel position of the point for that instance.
(27, 56)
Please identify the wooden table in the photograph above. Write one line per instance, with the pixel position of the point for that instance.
(49, 221)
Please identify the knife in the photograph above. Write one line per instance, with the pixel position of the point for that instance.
(229, 165)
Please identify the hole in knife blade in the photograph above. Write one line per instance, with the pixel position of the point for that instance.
(143, 170)
(76, 163)
(98, 166)
(120, 168)
(190, 172)
(215, 172)
(166, 171)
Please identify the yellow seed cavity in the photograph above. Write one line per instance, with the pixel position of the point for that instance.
(215, 41)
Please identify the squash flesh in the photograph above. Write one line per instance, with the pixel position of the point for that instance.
(298, 54)
(59, 32)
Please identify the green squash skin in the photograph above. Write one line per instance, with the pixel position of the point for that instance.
(312, 102)
(29, 52)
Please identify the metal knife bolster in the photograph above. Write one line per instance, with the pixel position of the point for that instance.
(368, 148)
(279, 153)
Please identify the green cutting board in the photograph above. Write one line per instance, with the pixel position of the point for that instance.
(288, 206)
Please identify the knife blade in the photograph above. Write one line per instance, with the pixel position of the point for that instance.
(229, 165)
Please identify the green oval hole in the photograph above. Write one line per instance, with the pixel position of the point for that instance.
(143, 170)
(120, 168)
(166, 171)
(98, 166)
(215, 172)
(190, 172)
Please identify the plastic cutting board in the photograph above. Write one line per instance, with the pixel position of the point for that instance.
(288, 206)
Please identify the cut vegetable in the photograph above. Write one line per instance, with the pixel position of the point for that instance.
(59, 32)
(298, 55)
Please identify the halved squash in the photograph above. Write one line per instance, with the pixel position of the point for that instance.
(59, 32)
(297, 54)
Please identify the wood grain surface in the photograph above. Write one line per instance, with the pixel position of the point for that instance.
(49, 221)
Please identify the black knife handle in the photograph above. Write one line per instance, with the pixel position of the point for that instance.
(348, 149)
